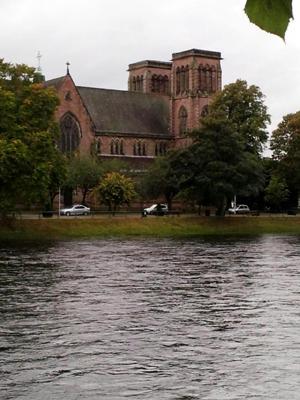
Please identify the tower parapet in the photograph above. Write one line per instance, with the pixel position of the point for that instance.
(150, 76)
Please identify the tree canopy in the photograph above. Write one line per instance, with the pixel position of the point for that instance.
(84, 173)
(29, 156)
(225, 157)
(285, 144)
(115, 190)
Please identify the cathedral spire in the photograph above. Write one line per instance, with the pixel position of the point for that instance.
(68, 64)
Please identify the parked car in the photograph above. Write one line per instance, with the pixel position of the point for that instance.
(240, 209)
(76, 209)
(156, 209)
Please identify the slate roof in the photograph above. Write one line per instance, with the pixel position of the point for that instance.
(55, 82)
(123, 112)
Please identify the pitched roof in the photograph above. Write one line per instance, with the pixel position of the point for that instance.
(55, 82)
(126, 112)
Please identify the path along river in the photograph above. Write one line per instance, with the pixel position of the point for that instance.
(151, 319)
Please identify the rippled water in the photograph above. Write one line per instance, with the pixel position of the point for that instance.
(155, 319)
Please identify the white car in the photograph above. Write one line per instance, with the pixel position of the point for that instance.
(240, 209)
(156, 209)
(76, 209)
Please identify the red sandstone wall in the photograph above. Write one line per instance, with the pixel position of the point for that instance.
(70, 101)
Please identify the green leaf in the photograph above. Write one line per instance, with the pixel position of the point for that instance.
(272, 16)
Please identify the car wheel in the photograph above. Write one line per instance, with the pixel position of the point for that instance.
(85, 213)
(68, 214)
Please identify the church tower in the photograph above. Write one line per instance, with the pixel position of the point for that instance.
(195, 76)
(150, 77)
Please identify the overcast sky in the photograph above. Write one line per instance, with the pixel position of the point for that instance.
(101, 37)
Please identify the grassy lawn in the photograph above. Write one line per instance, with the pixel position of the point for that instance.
(171, 226)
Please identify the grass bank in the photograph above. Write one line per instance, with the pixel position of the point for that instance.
(172, 226)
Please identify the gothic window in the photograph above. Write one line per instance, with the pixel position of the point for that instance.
(98, 147)
(144, 149)
(202, 78)
(117, 147)
(219, 78)
(70, 134)
(134, 84)
(183, 115)
(112, 147)
(139, 148)
(187, 83)
(134, 149)
(153, 82)
(166, 84)
(177, 80)
(122, 147)
(209, 80)
(214, 79)
(160, 149)
(182, 79)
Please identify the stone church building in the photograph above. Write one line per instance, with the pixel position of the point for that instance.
(164, 101)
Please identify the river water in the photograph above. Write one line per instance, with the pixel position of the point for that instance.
(151, 319)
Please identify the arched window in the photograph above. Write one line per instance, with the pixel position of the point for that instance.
(134, 84)
(166, 84)
(182, 79)
(70, 134)
(187, 82)
(112, 147)
(183, 115)
(153, 83)
(177, 80)
(144, 149)
(139, 148)
(134, 149)
(98, 147)
(117, 147)
(213, 79)
(122, 147)
(202, 78)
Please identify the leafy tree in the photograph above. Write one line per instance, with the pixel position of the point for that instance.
(26, 124)
(161, 179)
(243, 106)
(270, 15)
(83, 173)
(115, 190)
(285, 144)
(217, 166)
(225, 157)
(276, 192)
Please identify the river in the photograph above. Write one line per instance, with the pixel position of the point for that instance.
(155, 319)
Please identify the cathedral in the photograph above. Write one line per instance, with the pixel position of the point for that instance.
(163, 102)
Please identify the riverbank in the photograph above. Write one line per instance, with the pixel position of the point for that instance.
(172, 226)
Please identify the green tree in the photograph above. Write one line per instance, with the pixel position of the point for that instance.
(225, 157)
(217, 166)
(285, 144)
(276, 193)
(27, 124)
(83, 173)
(272, 16)
(243, 106)
(161, 179)
(115, 190)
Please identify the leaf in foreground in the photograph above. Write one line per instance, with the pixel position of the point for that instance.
(272, 16)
